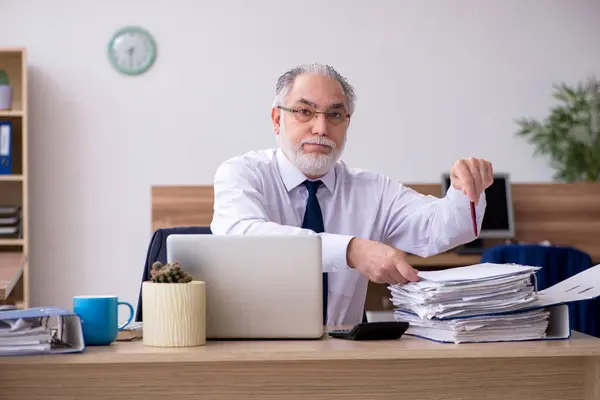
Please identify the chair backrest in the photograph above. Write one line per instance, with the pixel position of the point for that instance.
(157, 251)
(558, 263)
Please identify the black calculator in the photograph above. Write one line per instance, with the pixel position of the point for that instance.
(385, 330)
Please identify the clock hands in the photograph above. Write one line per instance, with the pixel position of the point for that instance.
(130, 51)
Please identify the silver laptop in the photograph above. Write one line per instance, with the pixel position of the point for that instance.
(266, 286)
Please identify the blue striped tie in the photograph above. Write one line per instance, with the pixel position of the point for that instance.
(313, 220)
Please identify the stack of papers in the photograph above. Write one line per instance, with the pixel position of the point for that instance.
(477, 303)
(10, 222)
(40, 330)
(24, 336)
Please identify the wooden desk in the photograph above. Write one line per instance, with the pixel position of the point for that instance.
(406, 369)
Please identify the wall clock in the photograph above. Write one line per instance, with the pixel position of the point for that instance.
(132, 50)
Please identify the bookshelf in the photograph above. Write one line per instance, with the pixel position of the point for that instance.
(14, 194)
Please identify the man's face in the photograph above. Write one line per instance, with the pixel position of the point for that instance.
(313, 142)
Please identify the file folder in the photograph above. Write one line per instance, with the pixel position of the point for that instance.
(41, 330)
(580, 287)
(5, 147)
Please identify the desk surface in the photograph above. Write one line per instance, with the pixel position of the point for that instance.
(407, 348)
(408, 368)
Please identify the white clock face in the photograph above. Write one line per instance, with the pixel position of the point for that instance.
(132, 51)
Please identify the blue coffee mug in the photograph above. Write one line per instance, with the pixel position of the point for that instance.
(99, 317)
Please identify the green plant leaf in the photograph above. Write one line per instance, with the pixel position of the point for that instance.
(570, 134)
(3, 78)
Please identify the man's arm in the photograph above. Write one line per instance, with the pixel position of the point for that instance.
(427, 225)
(422, 225)
(239, 208)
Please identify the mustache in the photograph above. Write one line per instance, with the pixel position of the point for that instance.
(318, 140)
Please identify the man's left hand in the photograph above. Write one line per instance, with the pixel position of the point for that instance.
(472, 177)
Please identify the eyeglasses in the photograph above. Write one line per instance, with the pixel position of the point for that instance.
(305, 114)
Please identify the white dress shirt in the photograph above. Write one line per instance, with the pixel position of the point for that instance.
(261, 192)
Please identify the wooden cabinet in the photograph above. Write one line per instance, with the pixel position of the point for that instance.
(14, 194)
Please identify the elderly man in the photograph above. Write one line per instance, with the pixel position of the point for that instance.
(365, 219)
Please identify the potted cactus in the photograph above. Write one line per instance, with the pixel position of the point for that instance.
(174, 307)
(5, 92)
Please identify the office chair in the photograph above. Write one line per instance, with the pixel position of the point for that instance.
(558, 263)
(157, 251)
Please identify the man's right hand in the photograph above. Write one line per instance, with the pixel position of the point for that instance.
(379, 262)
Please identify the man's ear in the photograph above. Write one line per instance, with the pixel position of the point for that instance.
(276, 118)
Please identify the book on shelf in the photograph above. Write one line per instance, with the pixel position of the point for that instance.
(11, 222)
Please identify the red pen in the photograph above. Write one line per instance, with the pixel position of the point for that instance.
(474, 218)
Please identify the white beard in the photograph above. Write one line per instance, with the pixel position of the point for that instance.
(310, 164)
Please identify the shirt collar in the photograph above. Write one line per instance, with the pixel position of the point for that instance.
(292, 176)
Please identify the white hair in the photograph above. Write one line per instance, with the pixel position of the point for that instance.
(285, 82)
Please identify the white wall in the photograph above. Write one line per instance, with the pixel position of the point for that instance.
(434, 82)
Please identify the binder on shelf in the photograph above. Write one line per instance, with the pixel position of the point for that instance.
(11, 222)
(513, 323)
(40, 330)
(5, 147)
(7, 210)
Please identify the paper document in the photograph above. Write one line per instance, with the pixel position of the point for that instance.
(466, 291)
(477, 272)
(41, 330)
(454, 305)
(583, 286)
(527, 325)
(21, 335)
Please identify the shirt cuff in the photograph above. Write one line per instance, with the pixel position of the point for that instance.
(460, 199)
(335, 250)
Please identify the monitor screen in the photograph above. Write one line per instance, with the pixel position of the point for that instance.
(498, 219)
